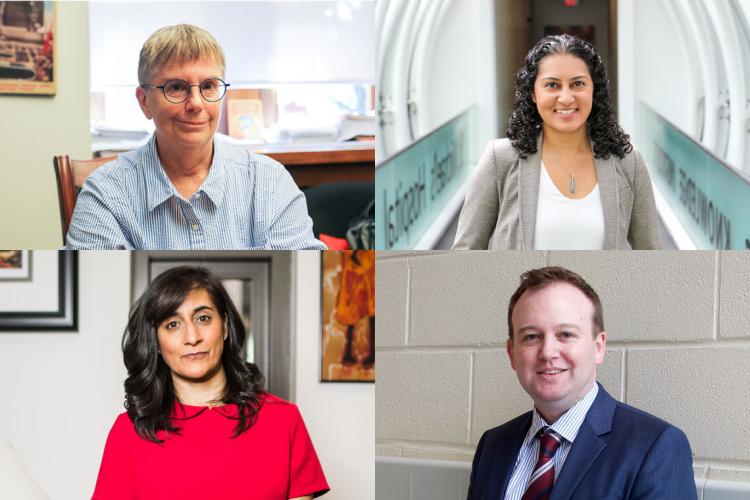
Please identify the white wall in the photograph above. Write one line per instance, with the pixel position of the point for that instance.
(33, 129)
(61, 392)
(626, 63)
(460, 68)
(339, 416)
(654, 65)
(264, 41)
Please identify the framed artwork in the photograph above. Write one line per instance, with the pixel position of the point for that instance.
(348, 316)
(48, 300)
(15, 264)
(27, 43)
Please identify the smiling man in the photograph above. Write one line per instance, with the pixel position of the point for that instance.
(186, 190)
(578, 442)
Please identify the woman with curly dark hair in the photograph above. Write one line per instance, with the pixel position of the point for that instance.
(198, 423)
(567, 176)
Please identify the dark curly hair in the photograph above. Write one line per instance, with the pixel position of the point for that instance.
(525, 124)
(149, 393)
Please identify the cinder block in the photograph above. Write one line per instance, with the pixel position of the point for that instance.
(435, 452)
(609, 373)
(387, 450)
(397, 254)
(703, 391)
(461, 298)
(700, 471)
(422, 396)
(649, 296)
(725, 474)
(391, 285)
(499, 397)
(734, 295)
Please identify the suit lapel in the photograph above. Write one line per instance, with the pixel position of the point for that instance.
(503, 462)
(528, 193)
(586, 447)
(605, 175)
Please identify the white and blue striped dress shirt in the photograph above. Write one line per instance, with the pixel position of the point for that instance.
(247, 201)
(566, 426)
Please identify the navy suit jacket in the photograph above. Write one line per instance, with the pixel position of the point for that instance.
(619, 452)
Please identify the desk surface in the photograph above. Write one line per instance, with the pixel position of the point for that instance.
(317, 154)
(309, 163)
(294, 153)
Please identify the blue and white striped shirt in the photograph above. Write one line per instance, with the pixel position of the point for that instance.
(566, 426)
(247, 201)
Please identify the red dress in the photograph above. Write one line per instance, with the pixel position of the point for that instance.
(273, 460)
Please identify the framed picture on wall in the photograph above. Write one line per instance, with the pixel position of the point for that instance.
(15, 264)
(348, 316)
(47, 300)
(27, 44)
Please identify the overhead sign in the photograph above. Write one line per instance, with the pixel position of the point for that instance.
(710, 198)
(413, 186)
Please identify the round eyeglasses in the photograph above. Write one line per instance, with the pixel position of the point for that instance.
(178, 91)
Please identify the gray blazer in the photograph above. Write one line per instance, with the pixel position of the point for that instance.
(499, 211)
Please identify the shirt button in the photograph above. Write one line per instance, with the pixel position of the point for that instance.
(195, 227)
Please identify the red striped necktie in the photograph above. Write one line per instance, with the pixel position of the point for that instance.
(543, 477)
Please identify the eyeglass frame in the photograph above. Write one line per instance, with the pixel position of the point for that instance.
(189, 89)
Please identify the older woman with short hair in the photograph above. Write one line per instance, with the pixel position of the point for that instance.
(199, 424)
(186, 190)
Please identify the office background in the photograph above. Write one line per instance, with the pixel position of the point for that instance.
(677, 347)
(35, 129)
(310, 61)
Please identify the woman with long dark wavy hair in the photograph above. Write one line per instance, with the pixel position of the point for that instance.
(567, 176)
(198, 423)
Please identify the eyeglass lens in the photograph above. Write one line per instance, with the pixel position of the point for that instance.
(178, 90)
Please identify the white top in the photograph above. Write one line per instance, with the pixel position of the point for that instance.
(566, 224)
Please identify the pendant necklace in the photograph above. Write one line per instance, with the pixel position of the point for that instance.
(572, 182)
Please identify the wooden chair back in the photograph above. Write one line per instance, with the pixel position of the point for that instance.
(70, 175)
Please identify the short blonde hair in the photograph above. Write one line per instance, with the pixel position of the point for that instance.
(179, 44)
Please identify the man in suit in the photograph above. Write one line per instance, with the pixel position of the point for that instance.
(578, 443)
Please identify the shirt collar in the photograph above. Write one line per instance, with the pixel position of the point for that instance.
(213, 184)
(569, 422)
(185, 412)
(160, 188)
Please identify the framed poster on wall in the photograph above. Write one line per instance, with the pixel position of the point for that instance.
(47, 300)
(27, 44)
(348, 316)
(15, 264)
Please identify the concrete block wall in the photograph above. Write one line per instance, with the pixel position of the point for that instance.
(678, 347)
